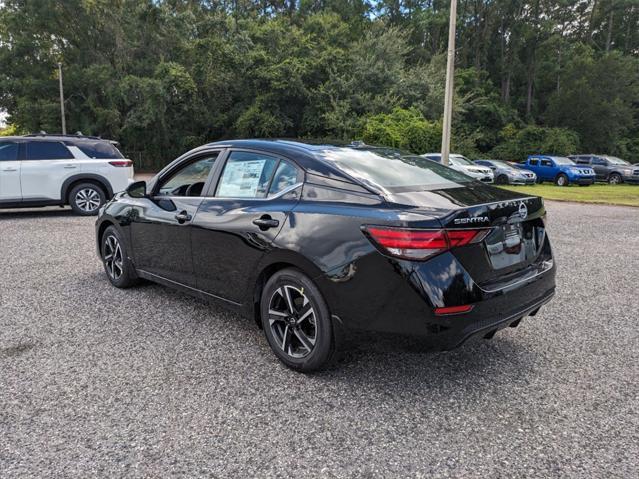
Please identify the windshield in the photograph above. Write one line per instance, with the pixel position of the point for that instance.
(616, 161)
(500, 164)
(562, 160)
(392, 172)
(459, 160)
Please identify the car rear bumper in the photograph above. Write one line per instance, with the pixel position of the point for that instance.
(485, 320)
(402, 297)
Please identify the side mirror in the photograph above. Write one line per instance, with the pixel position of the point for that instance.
(137, 189)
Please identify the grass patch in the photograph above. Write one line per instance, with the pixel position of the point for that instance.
(627, 195)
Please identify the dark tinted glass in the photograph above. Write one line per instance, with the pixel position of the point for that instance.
(285, 176)
(8, 151)
(546, 163)
(387, 172)
(47, 150)
(533, 162)
(102, 150)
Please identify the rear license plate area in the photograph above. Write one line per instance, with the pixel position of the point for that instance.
(512, 244)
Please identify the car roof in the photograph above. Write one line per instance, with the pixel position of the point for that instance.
(47, 137)
(309, 155)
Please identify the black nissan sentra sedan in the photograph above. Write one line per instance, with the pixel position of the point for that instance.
(315, 240)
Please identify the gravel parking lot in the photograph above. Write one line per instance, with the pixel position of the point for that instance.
(95, 381)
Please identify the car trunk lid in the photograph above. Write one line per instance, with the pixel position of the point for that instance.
(514, 223)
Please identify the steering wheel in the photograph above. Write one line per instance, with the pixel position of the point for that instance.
(195, 189)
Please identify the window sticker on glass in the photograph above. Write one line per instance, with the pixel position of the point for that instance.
(241, 178)
(246, 175)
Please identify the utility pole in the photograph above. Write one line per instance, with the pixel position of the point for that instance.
(450, 73)
(64, 122)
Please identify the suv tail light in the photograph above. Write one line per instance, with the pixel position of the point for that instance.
(121, 163)
(415, 244)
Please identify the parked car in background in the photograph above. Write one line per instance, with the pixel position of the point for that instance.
(609, 168)
(463, 164)
(558, 169)
(315, 240)
(46, 170)
(507, 174)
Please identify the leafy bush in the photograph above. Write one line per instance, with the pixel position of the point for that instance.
(516, 145)
(405, 129)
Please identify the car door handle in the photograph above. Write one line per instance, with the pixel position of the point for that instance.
(266, 222)
(68, 167)
(183, 217)
(10, 169)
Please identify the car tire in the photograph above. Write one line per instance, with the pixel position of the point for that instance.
(615, 179)
(296, 321)
(502, 180)
(561, 180)
(86, 199)
(117, 265)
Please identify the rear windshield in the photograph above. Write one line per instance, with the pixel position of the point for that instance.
(100, 150)
(394, 172)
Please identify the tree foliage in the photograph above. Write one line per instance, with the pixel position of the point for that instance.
(162, 76)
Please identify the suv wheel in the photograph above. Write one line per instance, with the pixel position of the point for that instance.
(561, 180)
(296, 321)
(614, 179)
(117, 264)
(86, 199)
(502, 180)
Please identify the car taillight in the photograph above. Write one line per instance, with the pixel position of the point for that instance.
(418, 244)
(121, 163)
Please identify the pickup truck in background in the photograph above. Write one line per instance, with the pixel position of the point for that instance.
(559, 169)
(609, 168)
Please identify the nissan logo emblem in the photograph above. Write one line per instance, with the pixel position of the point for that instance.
(523, 210)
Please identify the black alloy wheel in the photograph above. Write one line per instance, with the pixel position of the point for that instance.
(296, 321)
(117, 264)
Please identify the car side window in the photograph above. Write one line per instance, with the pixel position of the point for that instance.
(8, 151)
(599, 161)
(246, 175)
(285, 176)
(533, 162)
(48, 150)
(546, 163)
(188, 180)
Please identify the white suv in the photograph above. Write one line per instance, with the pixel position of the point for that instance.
(44, 170)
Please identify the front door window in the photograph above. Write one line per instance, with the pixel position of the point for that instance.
(189, 180)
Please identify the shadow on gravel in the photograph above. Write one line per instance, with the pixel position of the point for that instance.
(17, 350)
(28, 214)
(384, 362)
